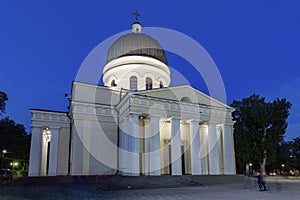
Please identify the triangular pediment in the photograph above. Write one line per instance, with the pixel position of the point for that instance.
(184, 93)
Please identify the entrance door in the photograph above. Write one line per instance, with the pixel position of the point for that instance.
(183, 160)
(170, 160)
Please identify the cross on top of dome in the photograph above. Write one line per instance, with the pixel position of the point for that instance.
(136, 14)
(136, 26)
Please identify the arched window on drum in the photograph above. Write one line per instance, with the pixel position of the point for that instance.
(133, 83)
(148, 83)
(113, 83)
(161, 84)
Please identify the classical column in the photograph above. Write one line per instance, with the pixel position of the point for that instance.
(155, 145)
(35, 151)
(53, 154)
(204, 148)
(124, 146)
(213, 152)
(44, 156)
(147, 146)
(195, 147)
(228, 149)
(176, 146)
(133, 146)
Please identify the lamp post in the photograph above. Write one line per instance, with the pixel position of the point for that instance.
(250, 165)
(2, 153)
(282, 166)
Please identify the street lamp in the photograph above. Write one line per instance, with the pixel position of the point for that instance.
(4, 151)
(282, 167)
(14, 164)
(250, 169)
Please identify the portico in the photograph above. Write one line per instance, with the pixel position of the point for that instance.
(46, 149)
(164, 144)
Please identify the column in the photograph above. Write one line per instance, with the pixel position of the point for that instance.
(204, 148)
(35, 151)
(228, 149)
(176, 146)
(124, 146)
(220, 148)
(147, 146)
(133, 146)
(213, 152)
(155, 145)
(195, 147)
(46, 136)
(53, 155)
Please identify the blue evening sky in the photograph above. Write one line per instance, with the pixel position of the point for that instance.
(255, 45)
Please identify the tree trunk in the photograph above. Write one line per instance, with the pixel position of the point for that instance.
(264, 160)
(263, 163)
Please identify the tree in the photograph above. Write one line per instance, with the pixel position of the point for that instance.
(259, 128)
(3, 99)
(295, 148)
(284, 155)
(14, 139)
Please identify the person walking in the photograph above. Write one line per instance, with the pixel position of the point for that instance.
(261, 182)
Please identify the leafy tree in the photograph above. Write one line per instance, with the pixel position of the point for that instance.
(283, 155)
(14, 139)
(3, 99)
(259, 127)
(295, 148)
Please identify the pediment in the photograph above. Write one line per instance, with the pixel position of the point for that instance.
(184, 93)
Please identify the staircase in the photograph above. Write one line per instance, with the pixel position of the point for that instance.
(117, 182)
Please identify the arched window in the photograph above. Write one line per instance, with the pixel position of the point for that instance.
(161, 84)
(186, 99)
(133, 83)
(113, 83)
(148, 83)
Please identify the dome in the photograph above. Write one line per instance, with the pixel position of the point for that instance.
(136, 61)
(134, 44)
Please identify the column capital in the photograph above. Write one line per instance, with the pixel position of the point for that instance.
(228, 124)
(211, 122)
(193, 121)
(175, 118)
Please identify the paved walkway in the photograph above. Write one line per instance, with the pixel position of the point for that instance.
(278, 189)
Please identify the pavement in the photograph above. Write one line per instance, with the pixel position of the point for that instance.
(278, 188)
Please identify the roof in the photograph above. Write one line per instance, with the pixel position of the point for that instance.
(136, 44)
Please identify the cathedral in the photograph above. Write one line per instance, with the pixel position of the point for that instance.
(136, 124)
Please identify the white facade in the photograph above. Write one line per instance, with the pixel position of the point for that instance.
(135, 124)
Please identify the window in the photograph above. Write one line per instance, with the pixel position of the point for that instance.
(133, 83)
(148, 83)
(186, 99)
(161, 85)
(113, 83)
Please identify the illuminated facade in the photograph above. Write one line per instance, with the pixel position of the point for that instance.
(136, 124)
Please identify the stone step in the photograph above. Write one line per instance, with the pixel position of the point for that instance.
(117, 182)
